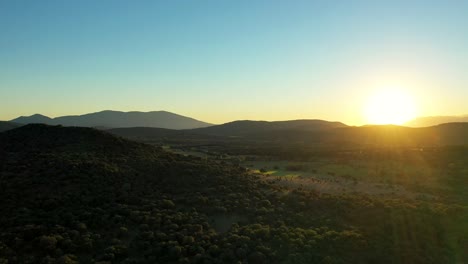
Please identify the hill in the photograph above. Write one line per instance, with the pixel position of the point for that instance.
(305, 133)
(150, 134)
(436, 120)
(247, 127)
(117, 119)
(4, 125)
(70, 193)
(79, 195)
(378, 136)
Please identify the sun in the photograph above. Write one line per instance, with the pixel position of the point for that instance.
(390, 106)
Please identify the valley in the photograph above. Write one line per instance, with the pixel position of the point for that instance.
(80, 195)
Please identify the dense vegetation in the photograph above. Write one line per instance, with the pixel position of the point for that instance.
(78, 195)
(4, 125)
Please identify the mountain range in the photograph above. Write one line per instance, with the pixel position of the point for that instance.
(162, 125)
(117, 119)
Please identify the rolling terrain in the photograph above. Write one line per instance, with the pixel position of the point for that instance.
(80, 195)
(248, 127)
(309, 134)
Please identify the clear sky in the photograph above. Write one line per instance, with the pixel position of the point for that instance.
(219, 61)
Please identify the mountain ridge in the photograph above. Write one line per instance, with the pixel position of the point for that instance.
(118, 119)
(443, 134)
(6, 125)
(244, 127)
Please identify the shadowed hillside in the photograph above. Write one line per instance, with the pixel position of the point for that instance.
(242, 128)
(4, 125)
(307, 134)
(70, 193)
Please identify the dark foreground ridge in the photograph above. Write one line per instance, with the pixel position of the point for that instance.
(79, 195)
(5, 125)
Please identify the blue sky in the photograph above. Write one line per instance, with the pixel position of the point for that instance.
(224, 60)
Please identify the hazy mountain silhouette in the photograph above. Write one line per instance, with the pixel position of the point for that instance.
(426, 121)
(246, 127)
(34, 119)
(5, 125)
(117, 119)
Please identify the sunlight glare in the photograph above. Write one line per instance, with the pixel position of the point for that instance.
(390, 106)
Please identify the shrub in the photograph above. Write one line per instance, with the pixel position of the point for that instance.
(67, 259)
(48, 243)
(167, 204)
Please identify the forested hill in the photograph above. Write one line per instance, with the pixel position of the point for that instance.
(248, 127)
(79, 195)
(82, 194)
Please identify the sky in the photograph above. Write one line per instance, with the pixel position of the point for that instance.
(219, 61)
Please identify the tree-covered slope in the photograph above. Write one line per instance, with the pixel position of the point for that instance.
(79, 195)
(248, 127)
(5, 125)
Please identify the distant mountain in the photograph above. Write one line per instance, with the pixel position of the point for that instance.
(247, 127)
(34, 119)
(435, 120)
(117, 119)
(5, 125)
